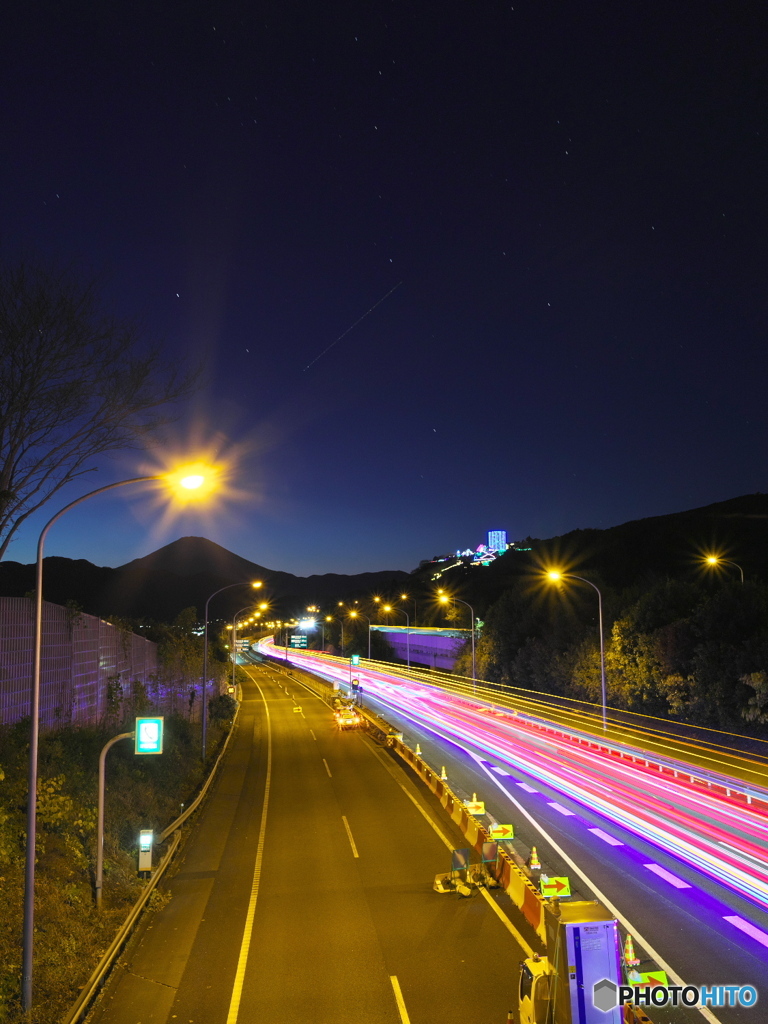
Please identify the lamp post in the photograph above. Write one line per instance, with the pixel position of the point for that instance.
(405, 597)
(444, 599)
(714, 560)
(389, 608)
(234, 640)
(256, 585)
(556, 576)
(191, 481)
(100, 813)
(355, 615)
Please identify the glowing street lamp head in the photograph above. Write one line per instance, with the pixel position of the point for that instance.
(443, 598)
(712, 559)
(554, 575)
(192, 481)
(387, 607)
(403, 597)
(353, 615)
(256, 584)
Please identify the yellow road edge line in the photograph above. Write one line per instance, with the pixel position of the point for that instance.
(399, 1000)
(349, 835)
(242, 960)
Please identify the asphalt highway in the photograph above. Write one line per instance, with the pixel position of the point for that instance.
(305, 892)
(565, 802)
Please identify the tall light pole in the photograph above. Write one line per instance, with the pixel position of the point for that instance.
(234, 640)
(390, 608)
(190, 481)
(405, 597)
(444, 599)
(256, 584)
(355, 615)
(556, 577)
(715, 560)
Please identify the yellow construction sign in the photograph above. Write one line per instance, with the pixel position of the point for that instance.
(555, 886)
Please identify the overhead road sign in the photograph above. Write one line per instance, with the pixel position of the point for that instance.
(498, 832)
(298, 640)
(554, 886)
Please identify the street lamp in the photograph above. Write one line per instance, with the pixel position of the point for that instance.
(389, 608)
(234, 640)
(444, 599)
(355, 615)
(405, 597)
(556, 577)
(189, 478)
(715, 560)
(256, 584)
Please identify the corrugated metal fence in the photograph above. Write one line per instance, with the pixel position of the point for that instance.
(88, 667)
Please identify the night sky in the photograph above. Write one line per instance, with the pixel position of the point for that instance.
(569, 201)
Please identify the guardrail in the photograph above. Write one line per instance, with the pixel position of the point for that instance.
(484, 696)
(102, 969)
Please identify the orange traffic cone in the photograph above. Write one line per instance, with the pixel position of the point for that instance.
(533, 860)
(443, 774)
(629, 952)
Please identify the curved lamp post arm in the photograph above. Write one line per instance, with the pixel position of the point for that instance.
(603, 687)
(34, 732)
(205, 659)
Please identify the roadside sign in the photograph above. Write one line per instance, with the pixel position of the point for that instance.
(475, 806)
(459, 860)
(653, 978)
(554, 886)
(149, 736)
(355, 659)
(490, 853)
(502, 832)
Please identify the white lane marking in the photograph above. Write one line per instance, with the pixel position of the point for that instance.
(703, 1010)
(657, 869)
(449, 845)
(526, 787)
(312, 735)
(399, 1000)
(327, 768)
(561, 809)
(237, 988)
(747, 928)
(611, 840)
(349, 834)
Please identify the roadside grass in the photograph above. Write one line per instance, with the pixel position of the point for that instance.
(141, 792)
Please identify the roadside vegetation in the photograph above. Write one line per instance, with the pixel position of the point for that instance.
(695, 652)
(141, 792)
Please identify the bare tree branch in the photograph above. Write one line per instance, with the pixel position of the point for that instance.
(74, 384)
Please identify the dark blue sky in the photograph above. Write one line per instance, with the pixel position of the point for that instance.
(570, 198)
